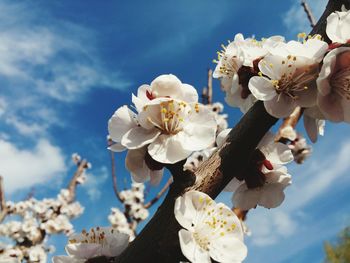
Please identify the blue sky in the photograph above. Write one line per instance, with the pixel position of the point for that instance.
(65, 66)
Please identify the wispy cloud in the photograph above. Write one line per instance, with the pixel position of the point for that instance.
(23, 168)
(46, 63)
(95, 180)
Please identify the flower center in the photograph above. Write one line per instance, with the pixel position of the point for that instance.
(340, 82)
(294, 79)
(92, 237)
(229, 65)
(172, 115)
(203, 242)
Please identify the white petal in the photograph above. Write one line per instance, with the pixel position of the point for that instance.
(199, 130)
(272, 196)
(245, 198)
(138, 137)
(277, 153)
(82, 250)
(189, 93)
(271, 66)
(228, 249)
(280, 106)
(191, 250)
(116, 244)
(116, 147)
(169, 148)
(221, 138)
(262, 88)
(135, 163)
(66, 259)
(310, 127)
(122, 121)
(188, 208)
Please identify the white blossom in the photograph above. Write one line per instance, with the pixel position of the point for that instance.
(170, 128)
(338, 26)
(100, 241)
(272, 156)
(238, 55)
(210, 230)
(287, 75)
(333, 85)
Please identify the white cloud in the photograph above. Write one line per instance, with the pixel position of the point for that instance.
(44, 64)
(58, 57)
(295, 18)
(94, 181)
(22, 168)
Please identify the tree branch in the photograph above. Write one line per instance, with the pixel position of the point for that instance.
(114, 178)
(308, 13)
(160, 193)
(74, 182)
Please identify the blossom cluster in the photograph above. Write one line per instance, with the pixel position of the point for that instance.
(284, 75)
(167, 125)
(134, 210)
(29, 223)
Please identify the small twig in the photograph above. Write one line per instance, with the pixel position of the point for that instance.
(290, 121)
(308, 13)
(159, 195)
(207, 93)
(74, 182)
(114, 177)
(241, 214)
(3, 207)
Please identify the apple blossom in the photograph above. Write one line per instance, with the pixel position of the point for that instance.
(210, 230)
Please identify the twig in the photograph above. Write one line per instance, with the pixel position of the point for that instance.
(74, 182)
(207, 93)
(159, 195)
(114, 177)
(308, 13)
(3, 207)
(290, 121)
(241, 214)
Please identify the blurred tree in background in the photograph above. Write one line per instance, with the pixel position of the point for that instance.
(339, 252)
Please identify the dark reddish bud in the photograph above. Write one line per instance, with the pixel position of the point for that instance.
(149, 95)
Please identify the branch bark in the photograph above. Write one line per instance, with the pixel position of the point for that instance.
(74, 182)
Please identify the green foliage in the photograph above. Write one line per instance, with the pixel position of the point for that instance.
(340, 252)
